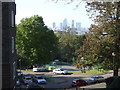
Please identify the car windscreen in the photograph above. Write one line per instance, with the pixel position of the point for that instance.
(81, 81)
(28, 78)
(39, 77)
(19, 72)
(93, 77)
(99, 77)
(74, 81)
(61, 69)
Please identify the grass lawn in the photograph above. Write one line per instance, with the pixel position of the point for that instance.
(89, 72)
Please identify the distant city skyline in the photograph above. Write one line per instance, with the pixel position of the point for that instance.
(52, 12)
(64, 24)
(71, 27)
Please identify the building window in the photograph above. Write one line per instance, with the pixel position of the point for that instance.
(13, 44)
(14, 71)
(12, 19)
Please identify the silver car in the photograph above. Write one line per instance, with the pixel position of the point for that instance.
(97, 78)
(27, 79)
(39, 79)
(60, 71)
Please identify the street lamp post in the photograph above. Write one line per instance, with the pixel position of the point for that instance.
(83, 61)
(113, 54)
(82, 58)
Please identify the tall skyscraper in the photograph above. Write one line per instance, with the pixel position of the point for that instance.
(61, 26)
(78, 27)
(73, 22)
(65, 23)
(54, 25)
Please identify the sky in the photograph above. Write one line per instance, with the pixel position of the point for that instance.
(52, 12)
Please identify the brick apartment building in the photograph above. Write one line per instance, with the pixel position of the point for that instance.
(7, 44)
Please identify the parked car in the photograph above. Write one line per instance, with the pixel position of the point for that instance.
(19, 73)
(34, 86)
(79, 82)
(18, 82)
(90, 81)
(97, 78)
(26, 79)
(39, 79)
(37, 68)
(60, 71)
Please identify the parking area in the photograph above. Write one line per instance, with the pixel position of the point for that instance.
(56, 81)
(59, 81)
(53, 80)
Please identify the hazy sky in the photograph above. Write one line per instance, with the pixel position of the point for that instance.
(52, 12)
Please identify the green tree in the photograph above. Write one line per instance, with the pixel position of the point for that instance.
(97, 49)
(35, 42)
(68, 44)
(108, 17)
(97, 46)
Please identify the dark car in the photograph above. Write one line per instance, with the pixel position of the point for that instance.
(79, 82)
(33, 86)
(19, 73)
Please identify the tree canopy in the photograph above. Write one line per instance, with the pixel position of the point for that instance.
(35, 42)
(68, 44)
(103, 38)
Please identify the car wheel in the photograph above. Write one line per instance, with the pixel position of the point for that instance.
(72, 85)
(64, 73)
(25, 83)
(37, 82)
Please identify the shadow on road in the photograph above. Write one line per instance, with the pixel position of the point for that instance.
(69, 73)
(60, 82)
(72, 69)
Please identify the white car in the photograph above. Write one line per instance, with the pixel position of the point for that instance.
(37, 68)
(60, 71)
(39, 79)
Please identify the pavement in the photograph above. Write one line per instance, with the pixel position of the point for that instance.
(98, 85)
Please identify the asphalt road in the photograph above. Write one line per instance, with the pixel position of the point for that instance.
(63, 81)
(98, 85)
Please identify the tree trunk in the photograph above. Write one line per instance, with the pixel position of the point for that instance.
(115, 72)
(116, 67)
